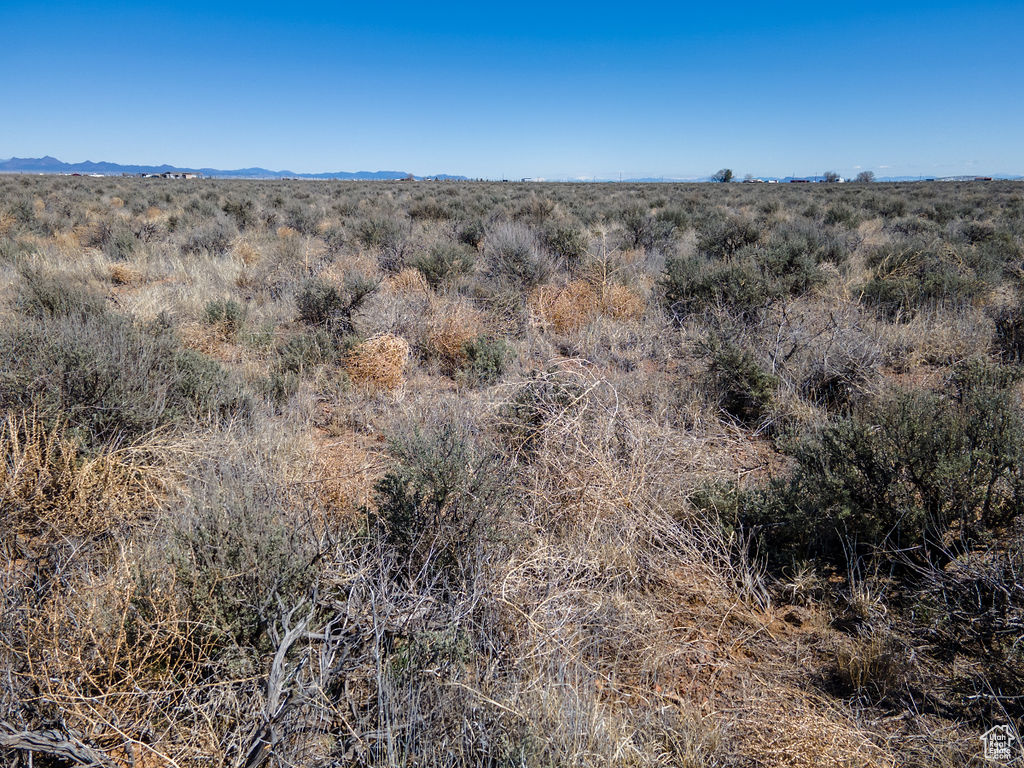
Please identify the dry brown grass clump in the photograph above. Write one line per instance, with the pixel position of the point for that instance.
(66, 241)
(49, 487)
(450, 327)
(565, 307)
(139, 648)
(409, 281)
(781, 725)
(569, 307)
(246, 252)
(620, 302)
(122, 274)
(379, 363)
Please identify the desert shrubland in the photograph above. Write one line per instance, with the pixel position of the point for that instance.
(461, 474)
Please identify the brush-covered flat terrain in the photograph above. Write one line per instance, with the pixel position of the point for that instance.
(481, 474)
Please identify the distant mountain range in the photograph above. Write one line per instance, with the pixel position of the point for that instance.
(53, 165)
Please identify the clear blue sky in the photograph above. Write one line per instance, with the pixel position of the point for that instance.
(541, 89)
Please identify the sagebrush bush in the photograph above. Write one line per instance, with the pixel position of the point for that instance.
(540, 398)
(242, 212)
(744, 388)
(212, 239)
(568, 243)
(513, 255)
(724, 238)
(110, 377)
(44, 294)
(121, 244)
(472, 233)
(306, 351)
(227, 314)
(1008, 338)
(389, 237)
(330, 306)
(443, 263)
(912, 274)
(434, 506)
(692, 284)
(644, 230)
(486, 360)
(238, 555)
(901, 473)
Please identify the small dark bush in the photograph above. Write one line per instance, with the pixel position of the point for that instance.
(1008, 339)
(543, 397)
(307, 350)
(645, 231)
(841, 214)
(444, 262)
(903, 473)
(434, 506)
(568, 243)
(472, 233)
(228, 314)
(725, 238)
(212, 239)
(304, 219)
(745, 389)
(380, 232)
(429, 209)
(486, 361)
(330, 306)
(692, 284)
(242, 212)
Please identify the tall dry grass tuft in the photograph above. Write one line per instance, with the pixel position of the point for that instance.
(567, 308)
(621, 302)
(7, 222)
(50, 488)
(450, 327)
(379, 363)
(409, 281)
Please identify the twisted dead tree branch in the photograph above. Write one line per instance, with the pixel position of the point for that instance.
(52, 742)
